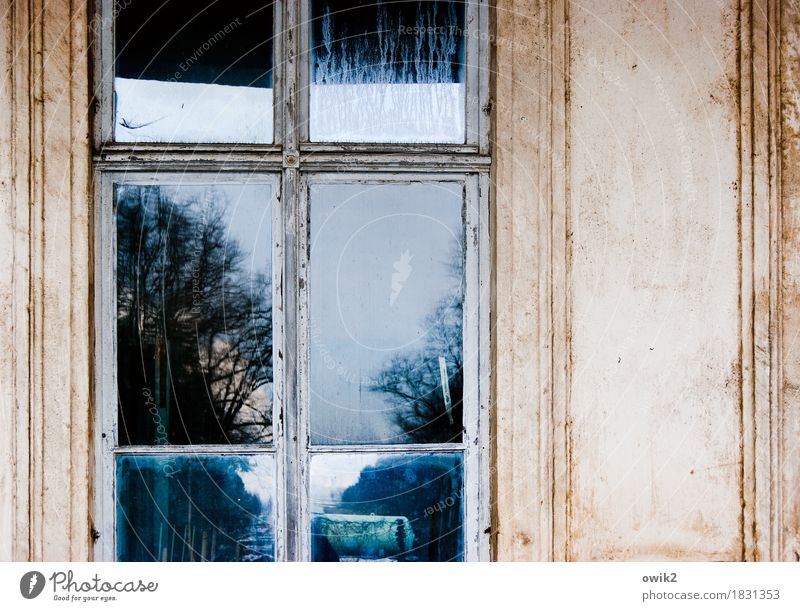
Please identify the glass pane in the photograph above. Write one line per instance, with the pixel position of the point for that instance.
(193, 71)
(386, 316)
(185, 508)
(397, 507)
(387, 72)
(194, 314)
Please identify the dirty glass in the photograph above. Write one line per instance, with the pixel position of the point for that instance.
(191, 508)
(391, 507)
(193, 71)
(386, 313)
(387, 71)
(194, 314)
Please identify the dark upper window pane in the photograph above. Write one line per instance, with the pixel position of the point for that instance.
(399, 507)
(387, 71)
(194, 314)
(386, 301)
(194, 72)
(184, 508)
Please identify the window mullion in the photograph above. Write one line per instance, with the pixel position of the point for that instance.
(303, 433)
(288, 308)
(290, 37)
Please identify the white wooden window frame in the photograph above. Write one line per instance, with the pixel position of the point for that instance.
(107, 429)
(290, 166)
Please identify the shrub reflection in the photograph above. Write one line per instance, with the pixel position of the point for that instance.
(195, 508)
(403, 507)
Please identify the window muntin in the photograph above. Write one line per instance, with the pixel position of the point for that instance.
(194, 314)
(204, 75)
(387, 72)
(386, 313)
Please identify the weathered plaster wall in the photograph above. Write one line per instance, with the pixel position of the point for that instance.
(654, 439)
(637, 232)
(44, 281)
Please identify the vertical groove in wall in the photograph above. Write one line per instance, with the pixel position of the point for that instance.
(38, 239)
(759, 283)
(758, 251)
(71, 118)
(766, 253)
(544, 309)
(6, 282)
(12, 323)
(8, 399)
(787, 499)
(36, 283)
(567, 280)
(740, 476)
(21, 172)
(775, 327)
(745, 254)
(559, 265)
(750, 313)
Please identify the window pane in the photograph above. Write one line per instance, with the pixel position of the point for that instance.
(386, 317)
(184, 508)
(194, 314)
(400, 507)
(193, 72)
(387, 72)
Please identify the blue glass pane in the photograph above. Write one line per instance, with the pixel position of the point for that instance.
(391, 507)
(386, 313)
(191, 508)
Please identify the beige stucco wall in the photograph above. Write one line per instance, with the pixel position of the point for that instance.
(641, 333)
(45, 334)
(654, 214)
(645, 280)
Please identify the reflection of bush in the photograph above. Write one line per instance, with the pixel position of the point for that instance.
(413, 384)
(200, 510)
(404, 488)
(363, 536)
(194, 327)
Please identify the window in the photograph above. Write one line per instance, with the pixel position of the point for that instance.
(292, 281)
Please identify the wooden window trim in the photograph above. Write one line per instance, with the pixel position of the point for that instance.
(290, 165)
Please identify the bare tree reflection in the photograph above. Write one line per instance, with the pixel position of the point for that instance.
(413, 382)
(194, 322)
